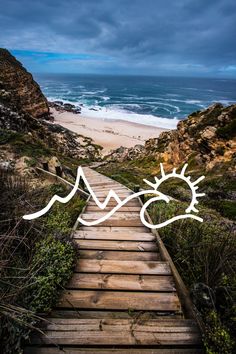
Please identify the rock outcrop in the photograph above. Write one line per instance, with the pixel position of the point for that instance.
(33, 131)
(22, 133)
(207, 138)
(18, 88)
(62, 107)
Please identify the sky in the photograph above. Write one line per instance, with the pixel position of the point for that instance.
(136, 37)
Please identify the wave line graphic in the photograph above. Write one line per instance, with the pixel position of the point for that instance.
(112, 194)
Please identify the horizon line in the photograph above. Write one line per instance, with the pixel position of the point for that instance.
(132, 75)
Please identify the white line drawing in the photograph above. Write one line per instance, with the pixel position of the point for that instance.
(112, 194)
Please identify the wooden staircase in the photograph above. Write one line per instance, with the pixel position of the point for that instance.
(122, 297)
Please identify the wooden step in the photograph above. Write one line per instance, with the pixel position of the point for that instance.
(120, 332)
(123, 209)
(116, 245)
(118, 219)
(104, 193)
(119, 255)
(115, 221)
(122, 267)
(119, 236)
(119, 314)
(107, 187)
(114, 228)
(68, 350)
(113, 202)
(119, 300)
(88, 215)
(121, 282)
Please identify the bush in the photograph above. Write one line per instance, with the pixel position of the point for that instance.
(217, 337)
(36, 257)
(53, 262)
(228, 131)
(204, 254)
(226, 208)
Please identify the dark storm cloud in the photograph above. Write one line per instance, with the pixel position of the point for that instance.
(146, 36)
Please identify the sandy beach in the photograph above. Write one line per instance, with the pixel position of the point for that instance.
(110, 134)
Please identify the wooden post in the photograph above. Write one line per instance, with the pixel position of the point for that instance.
(82, 184)
(142, 198)
(58, 171)
(45, 166)
(136, 190)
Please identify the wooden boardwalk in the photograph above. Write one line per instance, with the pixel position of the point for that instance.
(122, 297)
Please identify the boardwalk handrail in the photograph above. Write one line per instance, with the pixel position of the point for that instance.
(80, 191)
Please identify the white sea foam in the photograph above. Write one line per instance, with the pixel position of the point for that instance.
(225, 102)
(120, 114)
(117, 113)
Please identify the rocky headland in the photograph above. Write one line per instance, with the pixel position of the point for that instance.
(205, 139)
(27, 130)
(18, 88)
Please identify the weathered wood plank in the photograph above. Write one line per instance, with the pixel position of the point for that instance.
(180, 324)
(119, 300)
(66, 350)
(114, 222)
(103, 195)
(88, 215)
(145, 325)
(103, 314)
(112, 202)
(106, 187)
(117, 336)
(101, 183)
(122, 267)
(121, 210)
(119, 255)
(121, 282)
(118, 236)
(116, 245)
(114, 228)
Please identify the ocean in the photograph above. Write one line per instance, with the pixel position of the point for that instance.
(155, 101)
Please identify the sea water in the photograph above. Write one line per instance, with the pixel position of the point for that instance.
(155, 101)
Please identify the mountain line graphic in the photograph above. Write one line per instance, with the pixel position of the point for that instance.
(112, 194)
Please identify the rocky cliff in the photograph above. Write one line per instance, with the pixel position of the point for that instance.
(18, 88)
(23, 136)
(205, 138)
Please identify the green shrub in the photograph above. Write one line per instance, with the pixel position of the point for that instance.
(36, 258)
(226, 208)
(6, 136)
(203, 251)
(30, 162)
(228, 131)
(217, 337)
(53, 263)
(204, 254)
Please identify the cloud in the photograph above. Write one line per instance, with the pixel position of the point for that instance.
(138, 36)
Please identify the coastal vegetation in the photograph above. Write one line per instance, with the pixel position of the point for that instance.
(204, 254)
(37, 258)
